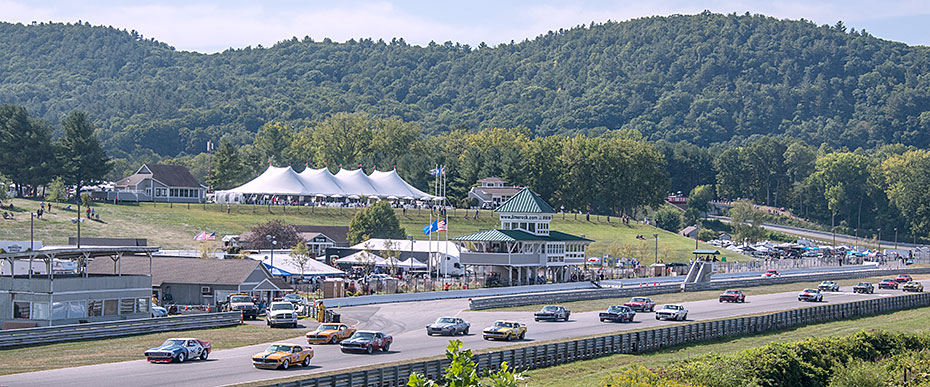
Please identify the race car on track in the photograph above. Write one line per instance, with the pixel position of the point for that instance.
(902, 278)
(829, 286)
(621, 313)
(913, 286)
(771, 274)
(505, 330)
(330, 333)
(810, 295)
(732, 295)
(367, 341)
(282, 356)
(641, 304)
(864, 287)
(448, 326)
(179, 350)
(672, 312)
(552, 313)
(888, 283)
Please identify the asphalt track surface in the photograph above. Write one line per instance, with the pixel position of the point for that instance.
(406, 322)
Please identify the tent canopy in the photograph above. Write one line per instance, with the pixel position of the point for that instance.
(322, 183)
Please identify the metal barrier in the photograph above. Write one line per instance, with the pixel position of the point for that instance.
(548, 355)
(72, 332)
(594, 294)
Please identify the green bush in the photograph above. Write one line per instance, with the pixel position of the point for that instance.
(860, 373)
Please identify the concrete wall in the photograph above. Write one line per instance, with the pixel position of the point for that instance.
(407, 297)
(77, 294)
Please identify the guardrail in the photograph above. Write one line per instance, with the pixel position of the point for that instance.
(439, 295)
(71, 332)
(548, 355)
(594, 294)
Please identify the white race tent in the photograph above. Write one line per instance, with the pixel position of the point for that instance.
(320, 183)
(411, 263)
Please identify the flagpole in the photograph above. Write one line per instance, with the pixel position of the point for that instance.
(446, 218)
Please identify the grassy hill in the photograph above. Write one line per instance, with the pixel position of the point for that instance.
(174, 227)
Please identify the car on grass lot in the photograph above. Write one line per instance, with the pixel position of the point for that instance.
(672, 312)
(902, 278)
(367, 341)
(913, 286)
(864, 287)
(281, 313)
(829, 286)
(732, 295)
(179, 350)
(888, 283)
(641, 304)
(505, 330)
(282, 356)
(810, 295)
(621, 313)
(771, 274)
(330, 334)
(552, 313)
(448, 326)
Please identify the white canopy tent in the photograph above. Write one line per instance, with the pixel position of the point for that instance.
(320, 183)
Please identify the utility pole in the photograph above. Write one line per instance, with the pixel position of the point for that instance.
(657, 246)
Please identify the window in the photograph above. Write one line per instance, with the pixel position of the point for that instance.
(21, 309)
(94, 308)
(40, 311)
(110, 307)
(205, 290)
(532, 227)
(127, 305)
(143, 304)
(161, 192)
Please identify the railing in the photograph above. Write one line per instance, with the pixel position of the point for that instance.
(548, 355)
(71, 332)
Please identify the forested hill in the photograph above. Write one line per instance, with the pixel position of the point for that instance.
(704, 78)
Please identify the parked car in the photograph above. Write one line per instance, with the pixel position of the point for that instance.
(888, 283)
(158, 311)
(810, 295)
(865, 287)
(621, 313)
(771, 274)
(829, 286)
(505, 330)
(242, 303)
(367, 341)
(281, 313)
(552, 313)
(179, 350)
(732, 295)
(295, 299)
(902, 278)
(448, 326)
(330, 333)
(641, 304)
(672, 312)
(282, 356)
(913, 286)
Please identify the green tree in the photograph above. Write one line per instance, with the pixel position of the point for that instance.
(300, 256)
(26, 154)
(82, 159)
(907, 184)
(274, 139)
(746, 222)
(668, 219)
(227, 167)
(700, 198)
(282, 233)
(376, 221)
(56, 190)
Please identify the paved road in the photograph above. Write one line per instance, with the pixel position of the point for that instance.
(737, 275)
(406, 321)
(828, 236)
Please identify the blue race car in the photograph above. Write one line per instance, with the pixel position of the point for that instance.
(179, 350)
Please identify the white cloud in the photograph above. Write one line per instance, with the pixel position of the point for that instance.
(214, 25)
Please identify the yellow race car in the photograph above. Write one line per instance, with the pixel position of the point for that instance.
(282, 356)
(505, 330)
(330, 334)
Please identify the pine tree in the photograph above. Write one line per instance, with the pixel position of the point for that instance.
(81, 156)
(25, 148)
(227, 167)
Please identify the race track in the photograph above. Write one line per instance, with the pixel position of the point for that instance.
(406, 322)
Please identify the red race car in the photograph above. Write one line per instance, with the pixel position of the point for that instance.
(771, 274)
(888, 283)
(641, 304)
(732, 295)
(903, 278)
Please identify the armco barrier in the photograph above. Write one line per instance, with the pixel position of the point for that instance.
(547, 355)
(440, 295)
(60, 333)
(594, 294)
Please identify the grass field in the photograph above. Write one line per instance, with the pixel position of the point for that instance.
(174, 226)
(591, 372)
(80, 353)
(674, 298)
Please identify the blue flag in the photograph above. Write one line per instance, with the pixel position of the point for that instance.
(431, 227)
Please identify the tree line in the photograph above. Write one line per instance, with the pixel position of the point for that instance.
(29, 157)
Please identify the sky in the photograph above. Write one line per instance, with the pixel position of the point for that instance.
(214, 25)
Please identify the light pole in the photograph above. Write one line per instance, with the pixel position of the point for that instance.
(879, 241)
(32, 216)
(657, 246)
(563, 212)
(274, 240)
(896, 239)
